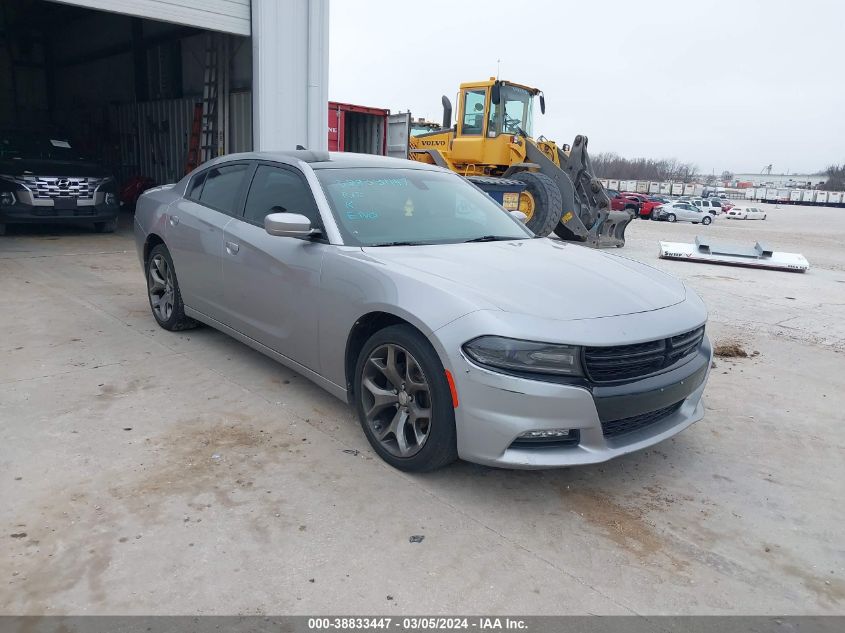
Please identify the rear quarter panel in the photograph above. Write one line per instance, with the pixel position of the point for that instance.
(151, 215)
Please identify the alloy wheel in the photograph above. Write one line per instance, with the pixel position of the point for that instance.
(396, 399)
(161, 287)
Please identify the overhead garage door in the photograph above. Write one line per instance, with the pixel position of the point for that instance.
(227, 16)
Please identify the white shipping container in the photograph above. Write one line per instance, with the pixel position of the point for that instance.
(783, 195)
(628, 185)
(665, 188)
(795, 195)
(654, 187)
(689, 189)
(821, 197)
(749, 193)
(808, 195)
(770, 195)
(642, 186)
(834, 197)
(677, 188)
(613, 184)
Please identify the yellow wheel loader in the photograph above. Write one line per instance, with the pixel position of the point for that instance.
(491, 144)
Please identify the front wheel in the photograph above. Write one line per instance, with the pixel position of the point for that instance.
(109, 226)
(404, 402)
(706, 221)
(671, 217)
(546, 202)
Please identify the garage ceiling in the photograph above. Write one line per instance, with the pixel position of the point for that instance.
(226, 16)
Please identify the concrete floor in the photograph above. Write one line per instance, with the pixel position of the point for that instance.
(143, 471)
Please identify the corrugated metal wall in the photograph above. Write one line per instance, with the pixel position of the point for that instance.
(153, 136)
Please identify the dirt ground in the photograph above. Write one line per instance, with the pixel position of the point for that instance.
(143, 471)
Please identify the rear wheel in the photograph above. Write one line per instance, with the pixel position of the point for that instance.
(163, 291)
(404, 402)
(706, 220)
(546, 202)
(671, 217)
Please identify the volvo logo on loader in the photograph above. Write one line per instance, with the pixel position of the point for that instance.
(433, 143)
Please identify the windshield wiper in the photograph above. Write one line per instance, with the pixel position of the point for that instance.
(490, 238)
(400, 243)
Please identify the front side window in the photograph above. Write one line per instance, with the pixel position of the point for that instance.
(195, 186)
(278, 190)
(514, 113)
(377, 206)
(222, 188)
(473, 123)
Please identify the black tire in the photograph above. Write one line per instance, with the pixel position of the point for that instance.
(706, 220)
(548, 202)
(440, 445)
(108, 226)
(671, 217)
(174, 319)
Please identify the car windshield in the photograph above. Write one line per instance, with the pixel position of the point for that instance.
(23, 145)
(377, 206)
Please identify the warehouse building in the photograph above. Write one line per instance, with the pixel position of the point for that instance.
(123, 78)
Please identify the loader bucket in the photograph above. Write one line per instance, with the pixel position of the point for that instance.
(610, 232)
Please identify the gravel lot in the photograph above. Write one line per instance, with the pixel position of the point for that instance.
(143, 471)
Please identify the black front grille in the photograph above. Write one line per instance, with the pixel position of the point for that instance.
(616, 428)
(623, 362)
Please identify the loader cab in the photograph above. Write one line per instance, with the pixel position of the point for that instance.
(490, 115)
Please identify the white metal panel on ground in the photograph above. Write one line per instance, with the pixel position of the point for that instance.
(758, 256)
(227, 16)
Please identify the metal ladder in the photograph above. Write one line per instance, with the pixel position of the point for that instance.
(208, 142)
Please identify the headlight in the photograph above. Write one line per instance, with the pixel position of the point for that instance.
(110, 198)
(526, 356)
(7, 198)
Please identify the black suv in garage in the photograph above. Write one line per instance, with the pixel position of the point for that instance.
(43, 179)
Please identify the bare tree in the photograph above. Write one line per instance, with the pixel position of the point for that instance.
(610, 165)
(835, 178)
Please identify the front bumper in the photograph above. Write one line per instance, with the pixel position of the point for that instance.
(495, 409)
(20, 213)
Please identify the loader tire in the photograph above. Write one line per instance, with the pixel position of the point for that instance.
(548, 203)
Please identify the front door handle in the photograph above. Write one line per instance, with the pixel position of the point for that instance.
(174, 220)
(232, 248)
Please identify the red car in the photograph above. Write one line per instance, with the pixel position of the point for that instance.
(650, 204)
(623, 201)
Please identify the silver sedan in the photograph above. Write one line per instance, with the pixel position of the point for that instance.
(405, 290)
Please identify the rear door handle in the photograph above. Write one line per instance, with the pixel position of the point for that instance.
(174, 220)
(232, 248)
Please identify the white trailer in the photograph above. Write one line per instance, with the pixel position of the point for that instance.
(783, 195)
(665, 188)
(749, 193)
(808, 195)
(770, 195)
(698, 191)
(677, 188)
(821, 197)
(654, 187)
(795, 195)
(628, 185)
(689, 189)
(642, 186)
(613, 184)
(834, 197)
(603, 182)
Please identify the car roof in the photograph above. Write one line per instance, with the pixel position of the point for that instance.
(329, 160)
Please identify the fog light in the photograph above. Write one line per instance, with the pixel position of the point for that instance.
(547, 434)
(7, 198)
(110, 198)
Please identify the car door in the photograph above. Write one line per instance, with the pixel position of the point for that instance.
(688, 212)
(271, 283)
(194, 233)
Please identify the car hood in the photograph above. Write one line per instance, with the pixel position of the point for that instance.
(38, 167)
(541, 277)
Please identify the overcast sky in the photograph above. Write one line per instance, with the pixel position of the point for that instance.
(731, 85)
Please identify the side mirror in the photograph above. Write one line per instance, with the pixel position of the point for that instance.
(519, 215)
(542, 104)
(496, 93)
(289, 225)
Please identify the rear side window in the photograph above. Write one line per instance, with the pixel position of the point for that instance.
(195, 186)
(222, 189)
